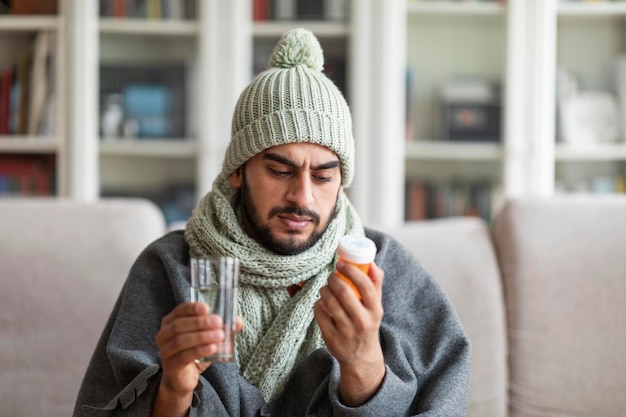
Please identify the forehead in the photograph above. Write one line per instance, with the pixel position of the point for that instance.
(301, 153)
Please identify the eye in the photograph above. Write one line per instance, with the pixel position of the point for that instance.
(322, 178)
(278, 173)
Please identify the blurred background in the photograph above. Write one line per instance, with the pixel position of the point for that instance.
(457, 105)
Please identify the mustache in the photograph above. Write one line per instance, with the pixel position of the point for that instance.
(296, 211)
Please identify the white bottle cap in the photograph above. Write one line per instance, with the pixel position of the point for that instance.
(357, 249)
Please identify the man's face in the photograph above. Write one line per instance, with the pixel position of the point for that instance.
(289, 193)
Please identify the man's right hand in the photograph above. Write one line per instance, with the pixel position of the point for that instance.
(187, 333)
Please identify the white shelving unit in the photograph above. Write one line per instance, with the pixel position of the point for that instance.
(446, 151)
(447, 39)
(17, 33)
(589, 41)
(164, 162)
(438, 8)
(214, 47)
(520, 42)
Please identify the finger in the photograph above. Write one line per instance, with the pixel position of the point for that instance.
(330, 299)
(238, 324)
(376, 275)
(185, 309)
(189, 356)
(324, 319)
(189, 344)
(360, 280)
(188, 324)
(372, 296)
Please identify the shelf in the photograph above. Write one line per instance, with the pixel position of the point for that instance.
(591, 152)
(28, 23)
(169, 148)
(462, 151)
(591, 9)
(321, 29)
(28, 144)
(455, 8)
(148, 27)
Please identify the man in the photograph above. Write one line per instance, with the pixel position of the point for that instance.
(306, 344)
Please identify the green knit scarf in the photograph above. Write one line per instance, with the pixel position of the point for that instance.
(279, 330)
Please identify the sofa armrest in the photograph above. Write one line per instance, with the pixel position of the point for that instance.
(63, 264)
(564, 273)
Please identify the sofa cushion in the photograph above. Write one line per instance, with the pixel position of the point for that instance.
(63, 265)
(563, 262)
(458, 252)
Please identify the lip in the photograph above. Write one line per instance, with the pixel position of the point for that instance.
(294, 222)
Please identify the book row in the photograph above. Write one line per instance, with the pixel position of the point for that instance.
(27, 90)
(300, 10)
(429, 200)
(149, 9)
(26, 175)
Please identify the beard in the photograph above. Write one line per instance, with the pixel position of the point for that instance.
(264, 234)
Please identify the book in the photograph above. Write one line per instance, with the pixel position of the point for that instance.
(34, 6)
(38, 82)
(310, 10)
(409, 118)
(261, 10)
(284, 9)
(23, 98)
(416, 201)
(153, 9)
(336, 10)
(620, 84)
(26, 175)
(119, 8)
(6, 81)
(428, 199)
(149, 106)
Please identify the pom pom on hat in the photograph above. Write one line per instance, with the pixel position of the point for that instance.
(292, 101)
(298, 47)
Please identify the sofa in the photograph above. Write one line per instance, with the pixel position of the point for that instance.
(541, 292)
(63, 264)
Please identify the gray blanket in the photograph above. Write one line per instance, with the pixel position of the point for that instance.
(427, 353)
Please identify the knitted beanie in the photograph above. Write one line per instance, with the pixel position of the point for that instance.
(292, 101)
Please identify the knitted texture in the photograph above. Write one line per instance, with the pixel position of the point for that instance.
(279, 330)
(292, 101)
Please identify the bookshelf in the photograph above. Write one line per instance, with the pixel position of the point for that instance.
(222, 44)
(223, 47)
(524, 44)
(598, 29)
(169, 130)
(447, 43)
(33, 147)
(145, 65)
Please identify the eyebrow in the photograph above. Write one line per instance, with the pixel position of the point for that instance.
(286, 161)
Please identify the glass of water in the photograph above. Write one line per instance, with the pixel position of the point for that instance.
(214, 281)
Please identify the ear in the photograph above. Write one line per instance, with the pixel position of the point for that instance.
(236, 178)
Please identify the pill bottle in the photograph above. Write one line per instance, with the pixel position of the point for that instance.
(358, 251)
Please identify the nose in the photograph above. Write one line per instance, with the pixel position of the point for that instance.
(300, 191)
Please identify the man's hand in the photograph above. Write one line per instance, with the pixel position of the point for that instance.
(187, 333)
(350, 329)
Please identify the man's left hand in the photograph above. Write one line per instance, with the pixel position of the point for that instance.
(350, 329)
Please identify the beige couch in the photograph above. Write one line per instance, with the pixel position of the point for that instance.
(62, 267)
(542, 295)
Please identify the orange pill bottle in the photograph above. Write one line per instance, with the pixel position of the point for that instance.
(358, 251)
